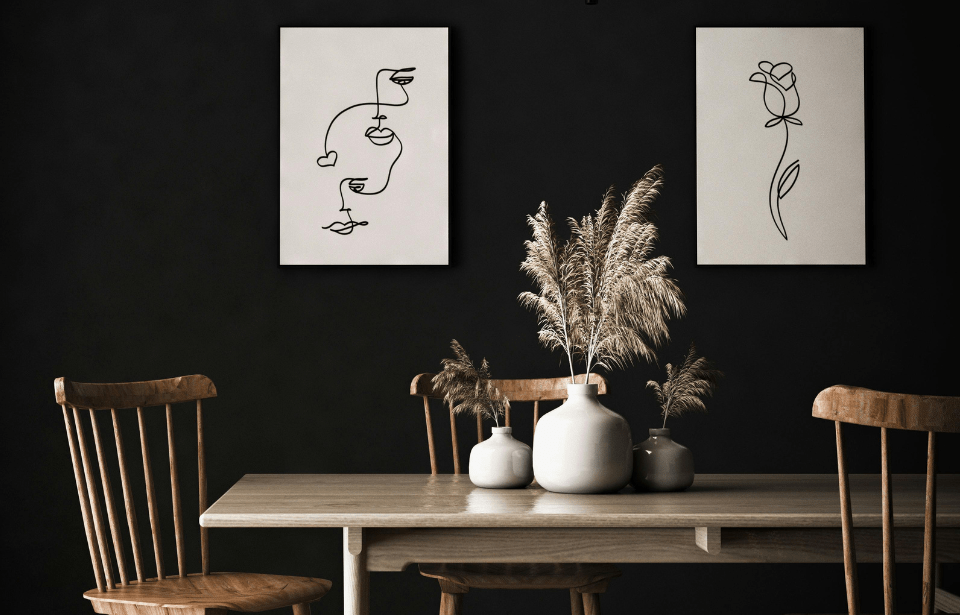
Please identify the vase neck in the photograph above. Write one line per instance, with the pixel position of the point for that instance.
(663, 432)
(502, 431)
(582, 390)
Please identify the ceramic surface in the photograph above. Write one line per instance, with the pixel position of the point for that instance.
(501, 462)
(582, 446)
(660, 464)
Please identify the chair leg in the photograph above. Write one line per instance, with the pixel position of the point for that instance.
(591, 604)
(301, 609)
(451, 597)
(576, 603)
(451, 604)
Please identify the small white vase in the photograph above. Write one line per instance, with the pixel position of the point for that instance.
(501, 462)
(582, 447)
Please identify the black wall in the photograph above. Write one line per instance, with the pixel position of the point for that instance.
(140, 179)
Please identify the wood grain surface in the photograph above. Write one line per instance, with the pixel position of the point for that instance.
(521, 576)
(896, 410)
(235, 591)
(947, 602)
(714, 500)
(106, 396)
(392, 549)
(526, 389)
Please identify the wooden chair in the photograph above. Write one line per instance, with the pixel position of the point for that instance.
(846, 404)
(183, 594)
(584, 581)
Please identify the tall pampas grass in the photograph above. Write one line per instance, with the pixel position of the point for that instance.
(602, 297)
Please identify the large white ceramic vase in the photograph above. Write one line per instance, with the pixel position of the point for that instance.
(582, 447)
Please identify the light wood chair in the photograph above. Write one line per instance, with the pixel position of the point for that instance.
(194, 594)
(846, 404)
(585, 582)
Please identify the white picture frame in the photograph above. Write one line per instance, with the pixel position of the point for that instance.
(364, 146)
(780, 146)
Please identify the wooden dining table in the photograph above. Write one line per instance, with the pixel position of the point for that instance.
(390, 521)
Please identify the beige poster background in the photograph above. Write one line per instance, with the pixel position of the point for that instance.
(823, 214)
(322, 72)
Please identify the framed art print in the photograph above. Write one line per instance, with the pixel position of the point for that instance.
(364, 146)
(780, 146)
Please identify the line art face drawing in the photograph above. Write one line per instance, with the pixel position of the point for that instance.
(361, 148)
(782, 100)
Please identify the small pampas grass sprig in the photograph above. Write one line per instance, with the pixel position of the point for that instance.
(686, 386)
(469, 389)
(602, 297)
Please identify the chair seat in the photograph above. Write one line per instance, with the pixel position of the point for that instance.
(521, 576)
(235, 591)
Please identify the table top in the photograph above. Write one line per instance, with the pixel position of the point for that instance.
(714, 500)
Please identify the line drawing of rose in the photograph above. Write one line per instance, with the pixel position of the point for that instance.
(782, 100)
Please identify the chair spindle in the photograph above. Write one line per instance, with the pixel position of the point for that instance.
(886, 497)
(108, 498)
(536, 414)
(591, 604)
(84, 502)
(433, 452)
(479, 429)
(128, 504)
(930, 527)
(175, 493)
(202, 594)
(94, 503)
(576, 602)
(151, 496)
(202, 481)
(846, 524)
(925, 413)
(456, 445)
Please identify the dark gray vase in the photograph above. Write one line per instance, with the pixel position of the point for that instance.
(660, 464)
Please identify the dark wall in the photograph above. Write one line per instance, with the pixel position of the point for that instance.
(140, 179)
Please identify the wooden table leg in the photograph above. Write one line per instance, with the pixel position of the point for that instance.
(356, 577)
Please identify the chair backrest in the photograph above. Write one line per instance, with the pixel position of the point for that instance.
(846, 404)
(74, 397)
(525, 390)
